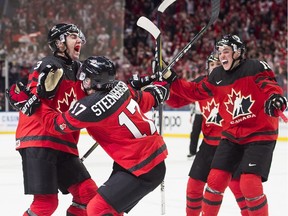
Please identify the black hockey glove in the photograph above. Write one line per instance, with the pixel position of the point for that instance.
(22, 99)
(48, 81)
(275, 104)
(160, 93)
(138, 82)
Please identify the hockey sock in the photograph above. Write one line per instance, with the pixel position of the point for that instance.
(252, 189)
(43, 205)
(217, 182)
(234, 186)
(82, 193)
(99, 207)
(194, 197)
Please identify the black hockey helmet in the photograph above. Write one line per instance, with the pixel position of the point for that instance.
(213, 57)
(100, 70)
(60, 31)
(233, 41)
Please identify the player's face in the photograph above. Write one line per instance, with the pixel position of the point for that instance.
(87, 86)
(226, 56)
(74, 44)
(213, 64)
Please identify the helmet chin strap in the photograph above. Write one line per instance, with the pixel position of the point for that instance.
(233, 65)
(64, 54)
(70, 60)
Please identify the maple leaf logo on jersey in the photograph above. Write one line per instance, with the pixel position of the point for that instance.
(239, 105)
(211, 113)
(64, 104)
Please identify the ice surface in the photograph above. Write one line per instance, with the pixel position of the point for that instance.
(13, 202)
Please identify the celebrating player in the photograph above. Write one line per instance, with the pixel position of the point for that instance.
(211, 129)
(248, 99)
(113, 114)
(51, 162)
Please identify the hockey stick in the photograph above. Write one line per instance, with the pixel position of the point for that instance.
(215, 5)
(283, 117)
(158, 57)
(144, 23)
(149, 26)
(94, 146)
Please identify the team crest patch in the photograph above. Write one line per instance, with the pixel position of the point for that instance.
(239, 105)
(211, 113)
(64, 104)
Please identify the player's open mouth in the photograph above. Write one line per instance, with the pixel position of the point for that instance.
(77, 48)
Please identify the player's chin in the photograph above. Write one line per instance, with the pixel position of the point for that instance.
(75, 55)
(226, 66)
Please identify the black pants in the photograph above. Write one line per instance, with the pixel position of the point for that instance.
(195, 133)
(124, 190)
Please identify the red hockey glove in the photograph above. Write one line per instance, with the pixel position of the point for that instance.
(22, 99)
(48, 81)
(275, 104)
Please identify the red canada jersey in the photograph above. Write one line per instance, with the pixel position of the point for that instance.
(116, 120)
(212, 121)
(30, 132)
(241, 94)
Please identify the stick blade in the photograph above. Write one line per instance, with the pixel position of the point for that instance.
(164, 5)
(282, 115)
(149, 26)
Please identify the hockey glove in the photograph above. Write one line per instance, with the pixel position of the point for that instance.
(138, 82)
(170, 75)
(22, 99)
(48, 81)
(159, 92)
(275, 104)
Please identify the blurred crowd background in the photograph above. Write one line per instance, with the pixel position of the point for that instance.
(110, 29)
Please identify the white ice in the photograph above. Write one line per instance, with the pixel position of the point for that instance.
(13, 202)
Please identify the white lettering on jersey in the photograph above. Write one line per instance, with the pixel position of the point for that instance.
(110, 99)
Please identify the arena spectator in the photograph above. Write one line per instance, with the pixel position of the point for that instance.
(132, 48)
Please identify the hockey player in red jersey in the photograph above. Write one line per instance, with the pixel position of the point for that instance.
(211, 129)
(51, 162)
(113, 114)
(250, 100)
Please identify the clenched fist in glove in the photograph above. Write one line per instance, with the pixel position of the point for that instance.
(160, 93)
(22, 99)
(48, 81)
(275, 104)
(138, 82)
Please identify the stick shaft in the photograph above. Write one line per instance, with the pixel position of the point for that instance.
(215, 5)
(89, 151)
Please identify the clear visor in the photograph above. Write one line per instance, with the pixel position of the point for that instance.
(79, 34)
(73, 29)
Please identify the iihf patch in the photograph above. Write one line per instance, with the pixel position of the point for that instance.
(62, 126)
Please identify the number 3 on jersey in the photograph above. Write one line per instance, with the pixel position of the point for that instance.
(133, 108)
